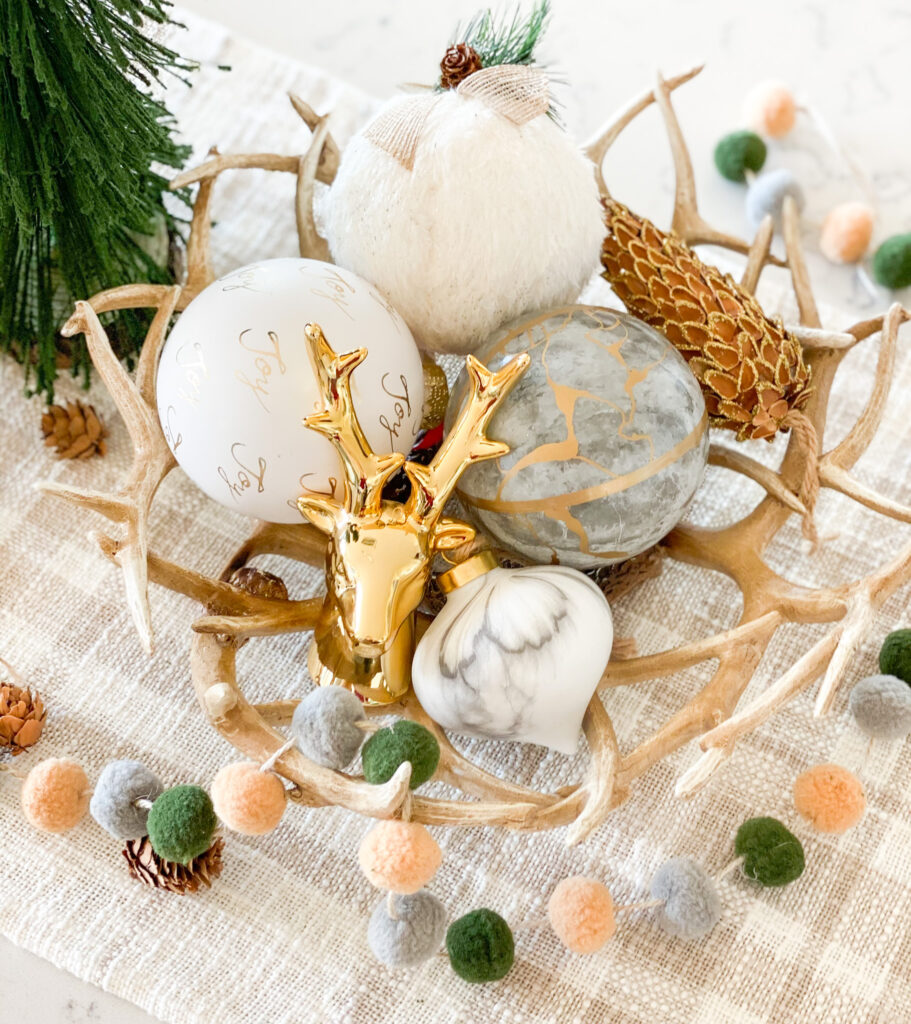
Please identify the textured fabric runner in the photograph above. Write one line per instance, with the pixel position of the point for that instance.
(282, 936)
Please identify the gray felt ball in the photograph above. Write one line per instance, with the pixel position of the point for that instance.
(881, 706)
(691, 905)
(414, 937)
(325, 726)
(113, 804)
(767, 192)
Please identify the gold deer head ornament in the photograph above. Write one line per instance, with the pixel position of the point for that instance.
(380, 552)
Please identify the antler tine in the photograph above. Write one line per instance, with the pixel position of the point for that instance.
(467, 442)
(365, 471)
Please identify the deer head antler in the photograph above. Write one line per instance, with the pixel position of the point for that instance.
(466, 443)
(365, 471)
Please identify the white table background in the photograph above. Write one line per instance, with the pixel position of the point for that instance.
(844, 58)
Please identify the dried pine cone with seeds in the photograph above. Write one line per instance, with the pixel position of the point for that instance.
(74, 431)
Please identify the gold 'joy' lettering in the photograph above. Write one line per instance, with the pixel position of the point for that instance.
(266, 362)
(244, 476)
(337, 290)
(400, 409)
(193, 364)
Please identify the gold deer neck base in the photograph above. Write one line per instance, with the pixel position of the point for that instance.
(382, 679)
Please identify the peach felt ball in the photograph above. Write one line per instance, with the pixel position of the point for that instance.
(770, 109)
(581, 914)
(846, 232)
(247, 799)
(55, 794)
(401, 856)
(829, 797)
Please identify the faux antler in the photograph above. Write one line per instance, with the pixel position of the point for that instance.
(466, 443)
(365, 471)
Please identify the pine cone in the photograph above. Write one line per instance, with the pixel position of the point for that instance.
(622, 577)
(22, 717)
(74, 430)
(460, 61)
(751, 370)
(259, 583)
(147, 867)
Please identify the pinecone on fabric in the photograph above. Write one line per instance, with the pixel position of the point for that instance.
(751, 369)
(147, 867)
(623, 577)
(74, 430)
(22, 716)
(459, 61)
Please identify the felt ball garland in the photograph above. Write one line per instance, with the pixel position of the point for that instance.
(895, 655)
(181, 823)
(770, 110)
(830, 797)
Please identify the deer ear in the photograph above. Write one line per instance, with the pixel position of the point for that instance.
(451, 533)
(319, 511)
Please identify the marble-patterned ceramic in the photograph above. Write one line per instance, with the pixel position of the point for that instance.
(516, 654)
(235, 382)
(608, 439)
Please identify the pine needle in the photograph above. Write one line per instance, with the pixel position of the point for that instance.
(78, 194)
(503, 40)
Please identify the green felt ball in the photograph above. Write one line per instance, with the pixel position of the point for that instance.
(181, 823)
(895, 655)
(404, 741)
(892, 262)
(480, 946)
(772, 854)
(738, 153)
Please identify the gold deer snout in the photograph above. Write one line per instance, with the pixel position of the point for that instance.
(380, 552)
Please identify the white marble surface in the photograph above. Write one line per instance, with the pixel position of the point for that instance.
(845, 58)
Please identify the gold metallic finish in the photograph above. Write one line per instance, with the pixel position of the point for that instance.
(467, 571)
(436, 394)
(379, 552)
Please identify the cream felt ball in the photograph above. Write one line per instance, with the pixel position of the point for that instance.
(493, 220)
(247, 799)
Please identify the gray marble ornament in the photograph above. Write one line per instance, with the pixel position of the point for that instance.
(608, 436)
(516, 654)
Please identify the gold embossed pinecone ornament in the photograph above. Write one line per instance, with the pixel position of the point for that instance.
(74, 430)
(147, 867)
(751, 369)
(22, 716)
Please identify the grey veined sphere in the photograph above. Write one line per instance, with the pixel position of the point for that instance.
(608, 436)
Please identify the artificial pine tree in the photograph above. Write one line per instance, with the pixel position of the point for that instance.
(80, 202)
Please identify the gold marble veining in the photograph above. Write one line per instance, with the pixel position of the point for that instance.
(608, 333)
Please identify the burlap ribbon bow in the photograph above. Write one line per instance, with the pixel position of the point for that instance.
(514, 91)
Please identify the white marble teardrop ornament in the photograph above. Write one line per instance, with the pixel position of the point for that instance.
(515, 654)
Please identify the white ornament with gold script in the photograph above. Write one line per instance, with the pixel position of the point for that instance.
(514, 654)
(235, 382)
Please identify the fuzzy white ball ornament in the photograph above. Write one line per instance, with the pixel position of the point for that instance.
(492, 218)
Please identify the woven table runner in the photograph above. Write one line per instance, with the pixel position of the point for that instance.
(282, 935)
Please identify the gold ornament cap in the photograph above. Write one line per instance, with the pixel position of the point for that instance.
(467, 571)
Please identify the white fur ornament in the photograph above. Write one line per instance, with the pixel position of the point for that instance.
(467, 208)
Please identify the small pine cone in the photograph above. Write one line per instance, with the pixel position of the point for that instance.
(22, 716)
(74, 430)
(259, 583)
(623, 577)
(460, 61)
(147, 867)
(751, 370)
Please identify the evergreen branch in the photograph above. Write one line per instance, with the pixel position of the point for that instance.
(502, 41)
(78, 193)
